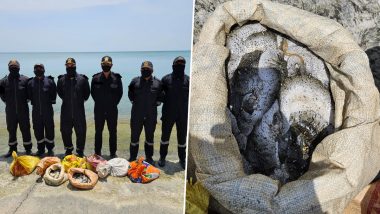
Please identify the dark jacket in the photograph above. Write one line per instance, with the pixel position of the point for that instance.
(176, 97)
(106, 92)
(145, 96)
(73, 92)
(42, 93)
(14, 94)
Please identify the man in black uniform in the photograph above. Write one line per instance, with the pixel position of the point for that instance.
(74, 90)
(106, 90)
(174, 110)
(13, 91)
(145, 93)
(42, 92)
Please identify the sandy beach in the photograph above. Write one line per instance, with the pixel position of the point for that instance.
(29, 194)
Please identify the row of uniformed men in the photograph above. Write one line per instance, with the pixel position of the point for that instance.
(145, 92)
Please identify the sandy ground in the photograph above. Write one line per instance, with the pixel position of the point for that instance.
(29, 194)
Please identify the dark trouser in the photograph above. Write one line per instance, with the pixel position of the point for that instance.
(137, 124)
(167, 125)
(79, 124)
(43, 126)
(100, 119)
(22, 120)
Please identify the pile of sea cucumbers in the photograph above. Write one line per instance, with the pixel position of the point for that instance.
(280, 101)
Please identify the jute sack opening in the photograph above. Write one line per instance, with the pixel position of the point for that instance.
(342, 164)
(76, 183)
(55, 181)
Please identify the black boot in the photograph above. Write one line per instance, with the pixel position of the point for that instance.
(133, 150)
(28, 151)
(68, 152)
(50, 153)
(28, 148)
(183, 163)
(150, 161)
(40, 153)
(40, 148)
(149, 153)
(162, 162)
(9, 153)
(182, 156)
(50, 146)
(163, 153)
(113, 156)
(80, 153)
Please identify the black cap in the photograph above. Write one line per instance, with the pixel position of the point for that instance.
(70, 61)
(178, 59)
(39, 65)
(13, 62)
(106, 60)
(147, 64)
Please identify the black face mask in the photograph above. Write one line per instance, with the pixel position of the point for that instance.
(71, 71)
(14, 71)
(39, 72)
(146, 73)
(179, 70)
(106, 68)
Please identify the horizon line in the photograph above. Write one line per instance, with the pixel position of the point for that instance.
(1, 52)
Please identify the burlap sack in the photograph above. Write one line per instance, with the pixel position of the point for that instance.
(90, 174)
(50, 180)
(342, 164)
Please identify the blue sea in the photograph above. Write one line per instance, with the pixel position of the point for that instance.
(88, 63)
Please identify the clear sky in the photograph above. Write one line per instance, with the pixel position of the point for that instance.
(95, 25)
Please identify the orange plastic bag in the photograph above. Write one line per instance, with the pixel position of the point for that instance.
(141, 171)
(23, 165)
(45, 163)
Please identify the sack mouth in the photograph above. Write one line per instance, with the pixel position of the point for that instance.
(93, 177)
(52, 181)
(356, 103)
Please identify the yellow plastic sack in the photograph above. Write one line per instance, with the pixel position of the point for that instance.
(72, 161)
(197, 198)
(23, 165)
